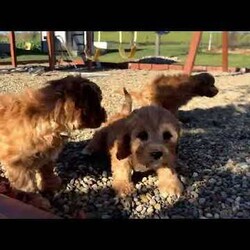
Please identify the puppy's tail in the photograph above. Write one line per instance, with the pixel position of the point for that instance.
(136, 95)
(127, 105)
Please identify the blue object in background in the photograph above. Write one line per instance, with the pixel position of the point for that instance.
(162, 32)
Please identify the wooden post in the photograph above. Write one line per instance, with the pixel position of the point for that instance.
(195, 41)
(225, 51)
(13, 48)
(51, 49)
(89, 45)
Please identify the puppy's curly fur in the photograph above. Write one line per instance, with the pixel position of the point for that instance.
(172, 92)
(125, 110)
(144, 140)
(94, 145)
(31, 125)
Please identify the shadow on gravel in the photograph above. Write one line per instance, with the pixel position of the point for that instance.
(213, 152)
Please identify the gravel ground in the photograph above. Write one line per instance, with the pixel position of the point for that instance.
(214, 155)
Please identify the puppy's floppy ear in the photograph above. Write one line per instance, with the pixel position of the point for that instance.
(98, 143)
(123, 147)
(90, 95)
(58, 109)
(69, 106)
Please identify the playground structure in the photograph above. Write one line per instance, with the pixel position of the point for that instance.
(195, 41)
(90, 56)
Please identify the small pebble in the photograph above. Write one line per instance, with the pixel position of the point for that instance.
(202, 201)
(216, 216)
(157, 206)
(208, 215)
(106, 216)
(195, 175)
(152, 202)
(144, 198)
(150, 210)
(139, 208)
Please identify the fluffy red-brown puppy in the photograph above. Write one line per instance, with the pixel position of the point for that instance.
(144, 140)
(31, 125)
(173, 91)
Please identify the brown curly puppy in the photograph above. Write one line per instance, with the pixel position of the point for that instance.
(172, 92)
(144, 140)
(95, 145)
(31, 125)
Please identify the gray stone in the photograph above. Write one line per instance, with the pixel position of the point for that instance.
(195, 175)
(202, 201)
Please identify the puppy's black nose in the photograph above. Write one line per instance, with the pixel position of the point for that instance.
(156, 155)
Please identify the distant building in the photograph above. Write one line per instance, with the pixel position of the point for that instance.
(74, 40)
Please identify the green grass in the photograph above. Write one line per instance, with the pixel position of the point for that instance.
(149, 37)
(26, 58)
(212, 59)
(172, 44)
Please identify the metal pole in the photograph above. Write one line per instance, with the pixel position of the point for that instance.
(210, 41)
(157, 44)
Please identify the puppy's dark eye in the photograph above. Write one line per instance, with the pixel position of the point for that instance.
(143, 136)
(166, 136)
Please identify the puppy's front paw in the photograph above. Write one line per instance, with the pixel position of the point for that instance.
(171, 188)
(51, 183)
(123, 188)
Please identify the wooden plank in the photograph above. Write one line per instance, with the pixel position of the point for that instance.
(225, 51)
(3, 216)
(13, 48)
(14, 209)
(195, 41)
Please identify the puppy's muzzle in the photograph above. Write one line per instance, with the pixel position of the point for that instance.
(99, 119)
(156, 155)
(213, 92)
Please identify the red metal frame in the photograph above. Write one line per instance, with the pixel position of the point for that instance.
(13, 48)
(51, 49)
(195, 41)
(225, 51)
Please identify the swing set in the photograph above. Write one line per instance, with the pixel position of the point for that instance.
(101, 45)
(187, 68)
